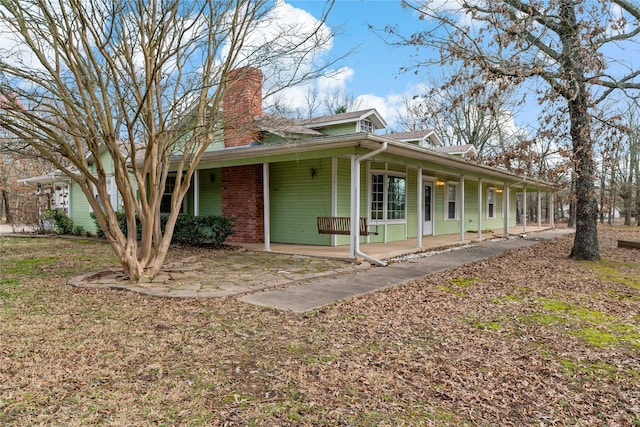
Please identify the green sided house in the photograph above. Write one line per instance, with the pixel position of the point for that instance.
(56, 190)
(305, 182)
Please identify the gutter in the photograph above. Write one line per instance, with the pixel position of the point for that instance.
(355, 203)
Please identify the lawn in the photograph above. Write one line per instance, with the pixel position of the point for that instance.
(527, 338)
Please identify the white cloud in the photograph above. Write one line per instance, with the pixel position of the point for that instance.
(287, 44)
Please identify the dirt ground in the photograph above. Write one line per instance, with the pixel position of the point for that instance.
(527, 338)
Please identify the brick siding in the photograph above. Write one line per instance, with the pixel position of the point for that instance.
(243, 200)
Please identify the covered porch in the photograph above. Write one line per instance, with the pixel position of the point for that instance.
(385, 251)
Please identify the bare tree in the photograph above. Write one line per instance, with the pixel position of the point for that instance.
(462, 111)
(563, 43)
(143, 80)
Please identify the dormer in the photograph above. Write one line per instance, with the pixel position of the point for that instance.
(368, 121)
(425, 138)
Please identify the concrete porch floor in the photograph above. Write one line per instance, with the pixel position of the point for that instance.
(388, 250)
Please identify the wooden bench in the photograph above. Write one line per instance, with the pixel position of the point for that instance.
(342, 225)
(634, 244)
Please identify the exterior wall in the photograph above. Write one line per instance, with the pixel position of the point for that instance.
(471, 205)
(341, 129)
(210, 192)
(297, 198)
(243, 200)
(80, 209)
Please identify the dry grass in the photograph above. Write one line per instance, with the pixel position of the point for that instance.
(527, 338)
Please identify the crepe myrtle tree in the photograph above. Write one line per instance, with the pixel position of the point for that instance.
(580, 52)
(142, 80)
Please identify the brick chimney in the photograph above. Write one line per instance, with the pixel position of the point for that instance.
(242, 102)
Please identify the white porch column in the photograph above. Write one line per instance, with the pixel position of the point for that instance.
(524, 209)
(539, 209)
(267, 214)
(420, 207)
(480, 208)
(355, 207)
(334, 195)
(462, 208)
(196, 193)
(505, 209)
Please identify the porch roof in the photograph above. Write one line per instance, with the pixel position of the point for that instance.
(365, 141)
(50, 178)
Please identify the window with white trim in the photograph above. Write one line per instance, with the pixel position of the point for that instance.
(491, 203)
(388, 197)
(366, 126)
(451, 201)
(165, 204)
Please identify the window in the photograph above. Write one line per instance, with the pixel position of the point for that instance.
(165, 204)
(395, 197)
(366, 126)
(451, 205)
(388, 197)
(491, 203)
(377, 197)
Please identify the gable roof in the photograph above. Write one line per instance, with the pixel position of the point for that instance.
(466, 149)
(350, 117)
(283, 126)
(416, 136)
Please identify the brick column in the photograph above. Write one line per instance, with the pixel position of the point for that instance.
(243, 200)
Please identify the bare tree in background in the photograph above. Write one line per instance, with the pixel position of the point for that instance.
(143, 80)
(464, 111)
(565, 44)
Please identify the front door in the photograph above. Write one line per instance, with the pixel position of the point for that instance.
(427, 226)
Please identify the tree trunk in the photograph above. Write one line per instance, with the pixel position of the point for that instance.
(585, 244)
(572, 204)
(7, 207)
(603, 184)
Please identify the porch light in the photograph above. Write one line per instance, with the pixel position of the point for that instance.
(439, 183)
(499, 190)
(313, 172)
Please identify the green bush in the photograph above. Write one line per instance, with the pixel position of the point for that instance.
(79, 230)
(62, 224)
(190, 230)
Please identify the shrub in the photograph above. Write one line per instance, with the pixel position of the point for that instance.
(62, 224)
(79, 230)
(199, 230)
(190, 230)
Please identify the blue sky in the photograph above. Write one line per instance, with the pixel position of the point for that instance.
(372, 72)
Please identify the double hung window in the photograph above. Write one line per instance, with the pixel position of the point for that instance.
(491, 203)
(451, 201)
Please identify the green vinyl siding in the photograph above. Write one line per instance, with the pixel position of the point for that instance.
(470, 205)
(341, 129)
(210, 192)
(343, 195)
(395, 232)
(442, 225)
(80, 210)
(297, 199)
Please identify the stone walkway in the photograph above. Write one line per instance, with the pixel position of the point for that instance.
(291, 282)
(224, 273)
